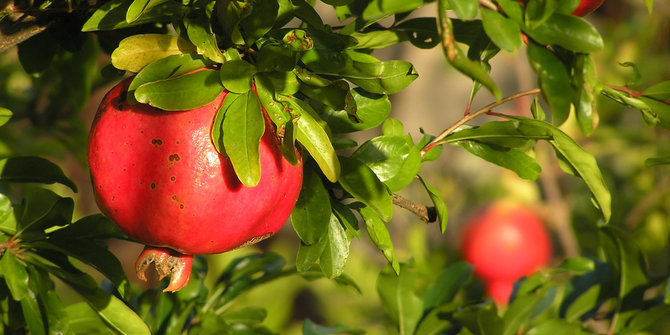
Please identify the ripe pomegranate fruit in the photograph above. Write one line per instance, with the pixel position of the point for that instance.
(504, 242)
(158, 175)
(587, 6)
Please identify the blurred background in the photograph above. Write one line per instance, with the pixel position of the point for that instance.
(53, 111)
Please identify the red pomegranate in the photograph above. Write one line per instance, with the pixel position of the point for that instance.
(585, 7)
(504, 242)
(158, 176)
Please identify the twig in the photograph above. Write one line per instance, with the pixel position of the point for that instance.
(426, 214)
(470, 116)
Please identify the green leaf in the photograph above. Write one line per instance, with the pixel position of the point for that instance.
(397, 295)
(440, 206)
(236, 75)
(259, 21)
(387, 77)
(7, 218)
(395, 161)
(312, 212)
(554, 81)
(116, 314)
(200, 34)
(654, 161)
(465, 9)
(181, 93)
(510, 158)
(585, 82)
(646, 319)
(44, 209)
(111, 15)
(139, 7)
(313, 137)
(448, 283)
(626, 258)
(246, 316)
(557, 327)
(371, 111)
(480, 320)
(571, 32)
(168, 67)
(504, 32)
(522, 309)
(378, 39)
(336, 249)
(33, 169)
(95, 226)
(83, 319)
(437, 321)
(15, 274)
(5, 115)
(311, 328)
(335, 95)
(362, 183)
(660, 91)
(421, 32)
(242, 128)
(379, 235)
(137, 51)
(32, 314)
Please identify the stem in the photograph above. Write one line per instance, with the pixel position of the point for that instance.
(426, 214)
(438, 140)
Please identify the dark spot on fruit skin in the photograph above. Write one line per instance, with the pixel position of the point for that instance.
(174, 158)
(174, 197)
(153, 186)
(177, 142)
(157, 142)
(173, 178)
(181, 206)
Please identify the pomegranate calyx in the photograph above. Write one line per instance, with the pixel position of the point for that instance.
(167, 262)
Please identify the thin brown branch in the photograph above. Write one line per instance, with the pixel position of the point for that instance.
(425, 213)
(12, 33)
(437, 140)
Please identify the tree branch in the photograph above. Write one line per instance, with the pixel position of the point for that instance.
(426, 214)
(15, 32)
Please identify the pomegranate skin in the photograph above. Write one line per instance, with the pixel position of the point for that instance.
(505, 242)
(158, 175)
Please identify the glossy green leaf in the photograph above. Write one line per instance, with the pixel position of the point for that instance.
(312, 213)
(111, 15)
(378, 39)
(33, 169)
(276, 57)
(476, 71)
(200, 34)
(347, 218)
(379, 235)
(336, 95)
(236, 75)
(277, 111)
(5, 115)
(387, 77)
(437, 321)
(180, 93)
(284, 83)
(308, 256)
(32, 314)
(660, 91)
(83, 319)
(379, 9)
(139, 7)
(137, 51)
(465, 9)
(311, 135)
(44, 209)
(116, 314)
(585, 82)
(259, 21)
(393, 127)
(361, 182)
(554, 81)
(439, 204)
(396, 292)
(336, 249)
(243, 126)
(568, 31)
(168, 67)
(371, 111)
(646, 319)
(393, 159)
(510, 158)
(421, 32)
(15, 274)
(96, 226)
(504, 32)
(448, 283)
(522, 309)
(7, 218)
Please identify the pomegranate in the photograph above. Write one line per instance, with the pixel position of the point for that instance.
(587, 6)
(158, 176)
(504, 242)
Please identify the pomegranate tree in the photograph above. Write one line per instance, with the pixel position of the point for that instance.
(505, 242)
(158, 175)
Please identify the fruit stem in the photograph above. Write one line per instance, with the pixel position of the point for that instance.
(425, 213)
(167, 262)
(484, 110)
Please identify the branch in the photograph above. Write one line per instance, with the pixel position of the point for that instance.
(426, 214)
(437, 140)
(15, 32)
